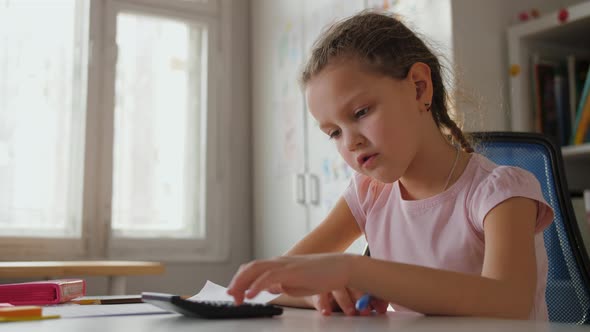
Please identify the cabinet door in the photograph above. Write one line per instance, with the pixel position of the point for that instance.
(328, 174)
(278, 122)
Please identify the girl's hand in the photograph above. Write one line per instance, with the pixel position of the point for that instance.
(292, 275)
(345, 299)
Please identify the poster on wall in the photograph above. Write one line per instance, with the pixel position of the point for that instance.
(287, 99)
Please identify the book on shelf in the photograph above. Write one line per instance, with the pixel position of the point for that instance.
(582, 122)
(577, 68)
(560, 89)
(562, 106)
(581, 134)
(545, 89)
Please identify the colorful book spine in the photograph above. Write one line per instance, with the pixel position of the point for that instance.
(577, 67)
(581, 124)
(546, 112)
(562, 108)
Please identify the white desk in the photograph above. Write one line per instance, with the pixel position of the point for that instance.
(291, 320)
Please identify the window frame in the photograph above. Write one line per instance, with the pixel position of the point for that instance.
(96, 241)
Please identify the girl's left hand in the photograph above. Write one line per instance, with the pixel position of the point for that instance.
(292, 275)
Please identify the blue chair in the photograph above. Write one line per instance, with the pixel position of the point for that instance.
(568, 280)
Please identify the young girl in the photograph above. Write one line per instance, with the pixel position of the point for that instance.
(450, 232)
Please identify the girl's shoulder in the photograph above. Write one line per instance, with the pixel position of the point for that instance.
(486, 173)
(492, 184)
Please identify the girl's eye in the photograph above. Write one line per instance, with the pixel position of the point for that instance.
(334, 134)
(360, 113)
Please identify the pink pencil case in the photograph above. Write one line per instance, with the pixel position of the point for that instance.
(42, 292)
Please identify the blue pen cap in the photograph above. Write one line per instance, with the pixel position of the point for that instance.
(363, 302)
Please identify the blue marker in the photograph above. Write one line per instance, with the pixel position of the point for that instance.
(363, 302)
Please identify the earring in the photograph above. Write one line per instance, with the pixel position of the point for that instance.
(427, 107)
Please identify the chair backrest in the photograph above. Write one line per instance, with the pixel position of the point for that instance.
(568, 280)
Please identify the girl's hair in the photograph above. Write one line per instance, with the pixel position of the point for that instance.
(385, 45)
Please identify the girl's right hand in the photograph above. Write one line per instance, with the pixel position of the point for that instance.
(345, 299)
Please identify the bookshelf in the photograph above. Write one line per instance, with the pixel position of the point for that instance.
(551, 38)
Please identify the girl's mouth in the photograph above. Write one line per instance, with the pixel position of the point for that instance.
(367, 160)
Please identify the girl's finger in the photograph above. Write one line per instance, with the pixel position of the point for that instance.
(379, 305)
(344, 301)
(324, 304)
(355, 294)
(275, 289)
(265, 281)
(246, 275)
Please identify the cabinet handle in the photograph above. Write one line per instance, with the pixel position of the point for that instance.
(315, 189)
(300, 188)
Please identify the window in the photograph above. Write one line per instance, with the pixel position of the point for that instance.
(41, 118)
(108, 130)
(158, 80)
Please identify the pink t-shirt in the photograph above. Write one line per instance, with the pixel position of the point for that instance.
(446, 231)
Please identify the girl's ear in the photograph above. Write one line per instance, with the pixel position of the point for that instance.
(420, 89)
(420, 74)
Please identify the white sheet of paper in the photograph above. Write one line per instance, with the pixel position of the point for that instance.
(95, 310)
(214, 292)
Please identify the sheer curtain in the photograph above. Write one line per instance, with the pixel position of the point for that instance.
(108, 127)
(42, 112)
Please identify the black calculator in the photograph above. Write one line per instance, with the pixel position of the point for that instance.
(210, 309)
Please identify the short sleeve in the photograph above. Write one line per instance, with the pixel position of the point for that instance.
(360, 196)
(505, 182)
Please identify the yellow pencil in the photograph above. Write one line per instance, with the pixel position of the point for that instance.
(86, 301)
(26, 318)
(20, 311)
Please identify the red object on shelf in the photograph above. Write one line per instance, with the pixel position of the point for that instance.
(523, 16)
(563, 15)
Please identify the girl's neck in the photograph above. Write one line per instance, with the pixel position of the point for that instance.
(432, 165)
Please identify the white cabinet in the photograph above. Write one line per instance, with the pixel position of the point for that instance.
(278, 124)
(298, 174)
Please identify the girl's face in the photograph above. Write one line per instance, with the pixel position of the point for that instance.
(374, 120)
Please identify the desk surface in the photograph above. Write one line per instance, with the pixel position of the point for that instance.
(291, 320)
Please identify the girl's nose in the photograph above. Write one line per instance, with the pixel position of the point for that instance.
(354, 141)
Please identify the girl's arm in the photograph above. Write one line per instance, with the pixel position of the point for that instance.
(334, 234)
(506, 287)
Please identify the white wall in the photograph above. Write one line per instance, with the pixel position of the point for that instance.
(479, 50)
